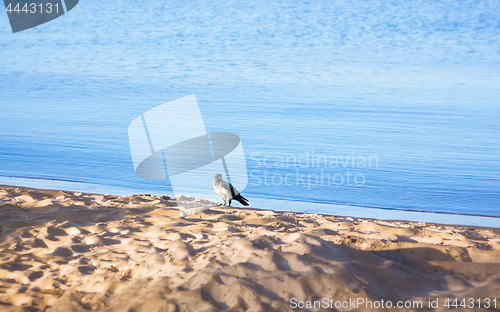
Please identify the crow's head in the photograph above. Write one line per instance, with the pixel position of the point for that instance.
(218, 178)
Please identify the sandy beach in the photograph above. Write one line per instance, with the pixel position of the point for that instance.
(68, 251)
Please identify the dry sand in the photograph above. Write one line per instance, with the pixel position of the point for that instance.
(66, 251)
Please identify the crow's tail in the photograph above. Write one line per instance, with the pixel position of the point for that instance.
(242, 200)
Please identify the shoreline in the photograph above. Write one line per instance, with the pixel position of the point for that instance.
(384, 212)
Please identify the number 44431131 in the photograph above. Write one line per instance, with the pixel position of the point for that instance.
(34, 8)
(484, 303)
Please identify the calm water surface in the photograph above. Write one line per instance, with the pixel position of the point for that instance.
(309, 87)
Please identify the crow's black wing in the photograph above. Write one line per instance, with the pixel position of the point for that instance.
(242, 200)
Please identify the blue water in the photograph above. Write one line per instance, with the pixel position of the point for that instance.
(412, 86)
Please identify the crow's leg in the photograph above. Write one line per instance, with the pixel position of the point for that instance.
(224, 204)
(229, 202)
